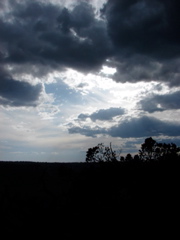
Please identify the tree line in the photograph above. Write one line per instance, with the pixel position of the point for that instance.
(150, 150)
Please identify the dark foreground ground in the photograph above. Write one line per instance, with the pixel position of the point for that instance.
(73, 198)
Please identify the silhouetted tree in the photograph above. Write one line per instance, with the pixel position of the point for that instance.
(136, 158)
(147, 151)
(101, 153)
(151, 150)
(92, 155)
(128, 157)
(122, 159)
(165, 151)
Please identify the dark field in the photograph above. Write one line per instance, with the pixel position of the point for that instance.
(74, 196)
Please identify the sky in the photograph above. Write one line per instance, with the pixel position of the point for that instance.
(77, 73)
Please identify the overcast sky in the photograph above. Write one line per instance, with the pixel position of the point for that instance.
(77, 73)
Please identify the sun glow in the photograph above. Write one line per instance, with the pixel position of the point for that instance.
(108, 70)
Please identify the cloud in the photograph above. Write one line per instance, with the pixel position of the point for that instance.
(156, 102)
(87, 131)
(138, 38)
(145, 36)
(133, 128)
(46, 34)
(145, 27)
(103, 114)
(144, 127)
(17, 93)
(39, 37)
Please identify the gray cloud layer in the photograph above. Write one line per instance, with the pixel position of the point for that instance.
(17, 93)
(135, 128)
(103, 114)
(164, 102)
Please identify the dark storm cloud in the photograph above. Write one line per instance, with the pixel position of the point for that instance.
(164, 102)
(143, 68)
(135, 128)
(145, 27)
(37, 38)
(103, 114)
(146, 38)
(16, 93)
(139, 37)
(51, 35)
